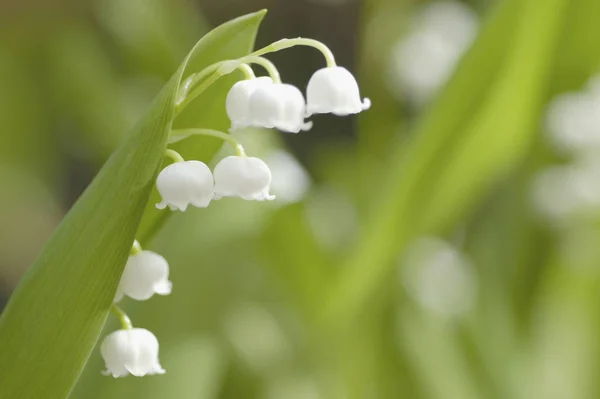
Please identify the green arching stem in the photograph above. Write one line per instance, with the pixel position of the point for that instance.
(221, 69)
(248, 72)
(184, 98)
(194, 78)
(239, 149)
(122, 316)
(136, 248)
(174, 155)
(196, 92)
(287, 43)
(265, 63)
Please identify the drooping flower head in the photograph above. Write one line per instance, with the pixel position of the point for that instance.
(131, 351)
(146, 273)
(334, 90)
(279, 106)
(184, 183)
(244, 177)
(237, 103)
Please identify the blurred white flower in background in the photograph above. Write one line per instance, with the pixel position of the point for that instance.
(290, 181)
(422, 61)
(257, 337)
(293, 387)
(438, 277)
(332, 217)
(573, 120)
(566, 191)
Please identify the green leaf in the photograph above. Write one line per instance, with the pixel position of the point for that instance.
(55, 316)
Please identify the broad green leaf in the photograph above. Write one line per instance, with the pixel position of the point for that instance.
(55, 315)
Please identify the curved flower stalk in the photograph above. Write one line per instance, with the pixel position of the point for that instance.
(252, 102)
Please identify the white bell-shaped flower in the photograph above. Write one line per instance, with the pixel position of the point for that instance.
(131, 351)
(146, 273)
(184, 183)
(245, 177)
(279, 106)
(237, 103)
(334, 90)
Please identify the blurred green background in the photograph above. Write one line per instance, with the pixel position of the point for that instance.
(443, 244)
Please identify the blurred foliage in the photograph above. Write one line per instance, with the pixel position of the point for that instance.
(309, 299)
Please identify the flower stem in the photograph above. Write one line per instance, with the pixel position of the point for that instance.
(265, 63)
(180, 134)
(136, 248)
(287, 43)
(185, 100)
(174, 155)
(122, 316)
(221, 69)
(248, 72)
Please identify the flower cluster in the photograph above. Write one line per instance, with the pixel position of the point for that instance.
(262, 102)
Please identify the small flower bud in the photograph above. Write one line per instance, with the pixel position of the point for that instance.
(334, 90)
(237, 103)
(184, 183)
(279, 106)
(146, 273)
(245, 177)
(132, 351)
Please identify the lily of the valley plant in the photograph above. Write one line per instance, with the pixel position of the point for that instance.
(263, 102)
